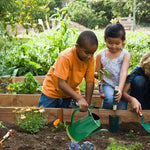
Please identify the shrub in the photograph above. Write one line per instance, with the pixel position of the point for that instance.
(31, 119)
(30, 85)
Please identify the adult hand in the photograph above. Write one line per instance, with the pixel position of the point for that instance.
(136, 105)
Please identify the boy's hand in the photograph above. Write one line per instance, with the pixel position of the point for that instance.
(83, 104)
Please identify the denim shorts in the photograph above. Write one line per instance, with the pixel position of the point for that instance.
(49, 102)
(107, 102)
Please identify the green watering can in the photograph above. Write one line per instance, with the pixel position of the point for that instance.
(86, 126)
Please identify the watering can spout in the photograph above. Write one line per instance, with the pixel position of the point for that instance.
(86, 126)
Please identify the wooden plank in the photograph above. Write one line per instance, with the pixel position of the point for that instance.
(7, 115)
(127, 22)
(124, 115)
(21, 100)
(5, 79)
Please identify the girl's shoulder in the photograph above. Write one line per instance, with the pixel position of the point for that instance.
(100, 52)
(125, 53)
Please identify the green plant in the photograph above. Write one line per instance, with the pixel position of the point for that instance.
(59, 125)
(1, 125)
(121, 146)
(131, 134)
(31, 119)
(100, 78)
(82, 85)
(30, 85)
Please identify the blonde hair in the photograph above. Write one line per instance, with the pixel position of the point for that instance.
(145, 63)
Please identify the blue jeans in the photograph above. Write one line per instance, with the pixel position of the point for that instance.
(107, 102)
(54, 102)
(140, 89)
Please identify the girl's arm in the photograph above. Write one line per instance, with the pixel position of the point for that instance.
(123, 74)
(98, 64)
(68, 90)
(132, 100)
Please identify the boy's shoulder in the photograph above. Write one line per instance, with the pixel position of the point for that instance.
(69, 52)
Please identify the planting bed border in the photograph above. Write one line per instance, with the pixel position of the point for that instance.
(7, 115)
(22, 100)
(9, 102)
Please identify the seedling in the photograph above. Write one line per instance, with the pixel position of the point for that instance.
(59, 125)
(100, 78)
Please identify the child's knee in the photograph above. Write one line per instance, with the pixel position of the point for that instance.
(139, 82)
(108, 102)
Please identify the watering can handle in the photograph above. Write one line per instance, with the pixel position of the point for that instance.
(77, 110)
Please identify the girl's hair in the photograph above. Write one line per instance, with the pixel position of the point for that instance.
(145, 63)
(115, 31)
(87, 37)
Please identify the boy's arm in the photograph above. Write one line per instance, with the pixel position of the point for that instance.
(123, 74)
(68, 90)
(134, 102)
(89, 91)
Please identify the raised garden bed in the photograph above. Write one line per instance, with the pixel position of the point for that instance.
(48, 140)
(21, 100)
(7, 115)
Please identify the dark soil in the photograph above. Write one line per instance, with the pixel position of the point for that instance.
(48, 140)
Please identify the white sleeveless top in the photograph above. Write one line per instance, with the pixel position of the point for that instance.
(113, 66)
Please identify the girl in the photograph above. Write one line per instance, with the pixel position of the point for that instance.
(116, 60)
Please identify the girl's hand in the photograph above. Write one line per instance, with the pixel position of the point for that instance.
(136, 105)
(118, 96)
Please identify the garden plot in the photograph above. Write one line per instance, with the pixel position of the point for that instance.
(130, 132)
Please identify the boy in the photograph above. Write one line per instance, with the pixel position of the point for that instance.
(72, 65)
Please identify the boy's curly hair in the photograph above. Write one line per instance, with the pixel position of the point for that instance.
(145, 63)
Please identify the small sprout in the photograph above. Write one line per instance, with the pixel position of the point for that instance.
(58, 125)
(131, 134)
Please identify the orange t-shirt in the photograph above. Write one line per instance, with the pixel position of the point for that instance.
(70, 68)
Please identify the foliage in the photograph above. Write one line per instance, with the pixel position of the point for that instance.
(18, 55)
(92, 13)
(30, 85)
(101, 12)
(31, 119)
(20, 58)
(101, 72)
(121, 146)
(1, 125)
(87, 16)
(131, 134)
(25, 12)
(82, 85)
(59, 125)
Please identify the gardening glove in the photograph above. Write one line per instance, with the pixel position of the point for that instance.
(87, 146)
(73, 145)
